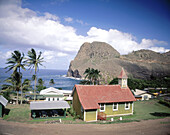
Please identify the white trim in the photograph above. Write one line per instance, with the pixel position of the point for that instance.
(132, 107)
(91, 120)
(96, 115)
(128, 105)
(84, 115)
(104, 107)
(119, 115)
(116, 107)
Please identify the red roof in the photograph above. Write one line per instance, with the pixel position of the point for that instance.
(122, 74)
(91, 95)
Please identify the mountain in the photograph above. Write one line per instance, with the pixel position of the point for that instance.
(142, 64)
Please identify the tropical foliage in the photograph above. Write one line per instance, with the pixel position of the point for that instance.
(33, 62)
(51, 82)
(15, 64)
(13, 84)
(40, 85)
(141, 84)
(92, 75)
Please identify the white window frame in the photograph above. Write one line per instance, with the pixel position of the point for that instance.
(128, 106)
(116, 106)
(100, 107)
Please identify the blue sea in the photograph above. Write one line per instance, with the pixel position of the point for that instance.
(59, 76)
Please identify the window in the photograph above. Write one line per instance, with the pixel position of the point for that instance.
(53, 99)
(102, 107)
(115, 106)
(127, 106)
(48, 99)
(57, 99)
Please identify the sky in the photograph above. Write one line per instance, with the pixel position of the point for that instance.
(58, 28)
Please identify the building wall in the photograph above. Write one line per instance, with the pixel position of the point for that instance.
(121, 109)
(146, 96)
(90, 115)
(1, 110)
(77, 104)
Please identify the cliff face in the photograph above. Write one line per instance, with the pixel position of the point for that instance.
(140, 64)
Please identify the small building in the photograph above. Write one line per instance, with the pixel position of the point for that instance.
(48, 109)
(53, 94)
(142, 95)
(3, 103)
(89, 101)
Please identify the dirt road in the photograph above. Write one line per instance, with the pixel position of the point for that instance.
(148, 127)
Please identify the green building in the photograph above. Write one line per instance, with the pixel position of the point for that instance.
(3, 103)
(91, 101)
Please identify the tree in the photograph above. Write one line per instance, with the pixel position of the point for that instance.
(13, 84)
(40, 85)
(33, 62)
(51, 82)
(16, 63)
(93, 75)
(40, 81)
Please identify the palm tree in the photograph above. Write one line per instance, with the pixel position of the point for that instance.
(16, 63)
(26, 85)
(51, 82)
(88, 74)
(13, 84)
(40, 81)
(92, 75)
(34, 61)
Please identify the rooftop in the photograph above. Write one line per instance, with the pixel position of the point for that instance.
(3, 100)
(91, 95)
(123, 74)
(47, 105)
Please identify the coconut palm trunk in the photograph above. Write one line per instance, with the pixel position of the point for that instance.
(35, 83)
(33, 62)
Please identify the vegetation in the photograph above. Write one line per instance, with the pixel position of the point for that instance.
(143, 110)
(51, 82)
(14, 82)
(141, 84)
(33, 62)
(92, 75)
(15, 64)
(40, 85)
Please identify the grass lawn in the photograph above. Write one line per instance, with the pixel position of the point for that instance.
(143, 110)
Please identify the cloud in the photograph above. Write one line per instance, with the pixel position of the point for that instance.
(24, 28)
(68, 19)
(81, 22)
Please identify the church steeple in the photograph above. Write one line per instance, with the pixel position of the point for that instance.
(122, 79)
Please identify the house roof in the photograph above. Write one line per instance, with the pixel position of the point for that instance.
(123, 74)
(3, 100)
(91, 95)
(140, 92)
(47, 105)
(51, 91)
(54, 91)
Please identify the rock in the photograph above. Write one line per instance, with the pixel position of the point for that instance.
(142, 64)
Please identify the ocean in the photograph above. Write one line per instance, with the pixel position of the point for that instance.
(59, 76)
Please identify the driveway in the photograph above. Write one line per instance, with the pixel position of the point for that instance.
(147, 127)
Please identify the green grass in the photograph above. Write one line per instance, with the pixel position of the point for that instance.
(143, 110)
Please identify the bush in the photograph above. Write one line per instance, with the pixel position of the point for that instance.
(164, 103)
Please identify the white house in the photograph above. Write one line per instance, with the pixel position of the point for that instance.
(144, 94)
(53, 94)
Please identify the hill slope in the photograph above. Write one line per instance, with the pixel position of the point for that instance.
(99, 55)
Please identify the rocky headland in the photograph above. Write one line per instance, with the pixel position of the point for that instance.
(142, 64)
